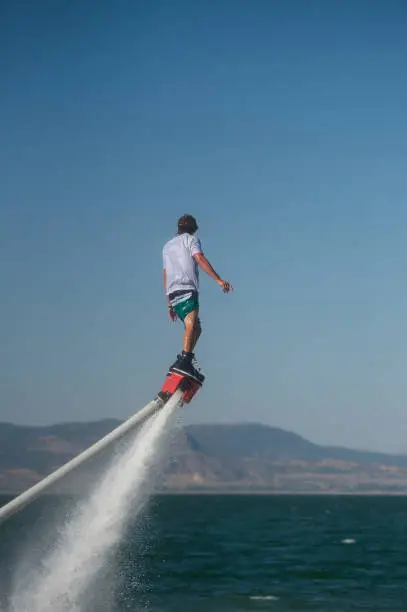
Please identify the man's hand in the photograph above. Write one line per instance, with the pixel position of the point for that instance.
(172, 313)
(225, 286)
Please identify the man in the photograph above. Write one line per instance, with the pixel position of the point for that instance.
(181, 257)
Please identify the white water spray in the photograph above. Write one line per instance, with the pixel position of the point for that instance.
(98, 524)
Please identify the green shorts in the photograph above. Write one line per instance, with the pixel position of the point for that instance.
(184, 302)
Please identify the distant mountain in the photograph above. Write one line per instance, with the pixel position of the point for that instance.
(256, 440)
(210, 457)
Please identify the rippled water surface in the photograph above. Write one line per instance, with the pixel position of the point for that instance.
(238, 553)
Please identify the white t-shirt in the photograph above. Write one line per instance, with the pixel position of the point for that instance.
(181, 267)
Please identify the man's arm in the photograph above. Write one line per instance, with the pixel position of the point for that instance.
(171, 312)
(206, 267)
(165, 286)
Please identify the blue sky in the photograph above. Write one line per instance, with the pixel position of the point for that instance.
(282, 127)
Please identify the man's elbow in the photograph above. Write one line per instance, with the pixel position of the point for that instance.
(200, 258)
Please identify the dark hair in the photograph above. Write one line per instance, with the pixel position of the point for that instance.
(187, 224)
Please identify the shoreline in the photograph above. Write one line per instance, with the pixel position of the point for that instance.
(242, 492)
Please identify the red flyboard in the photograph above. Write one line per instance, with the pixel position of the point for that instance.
(176, 380)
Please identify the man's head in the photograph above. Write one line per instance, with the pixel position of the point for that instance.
(187, 225)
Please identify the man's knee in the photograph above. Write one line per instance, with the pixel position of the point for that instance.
(191, 320)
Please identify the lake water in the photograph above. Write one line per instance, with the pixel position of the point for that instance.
(232, 553)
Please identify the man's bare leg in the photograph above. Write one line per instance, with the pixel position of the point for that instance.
(192, 331)
(198, 331)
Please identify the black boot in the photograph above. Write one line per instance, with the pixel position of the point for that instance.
(183, 365)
